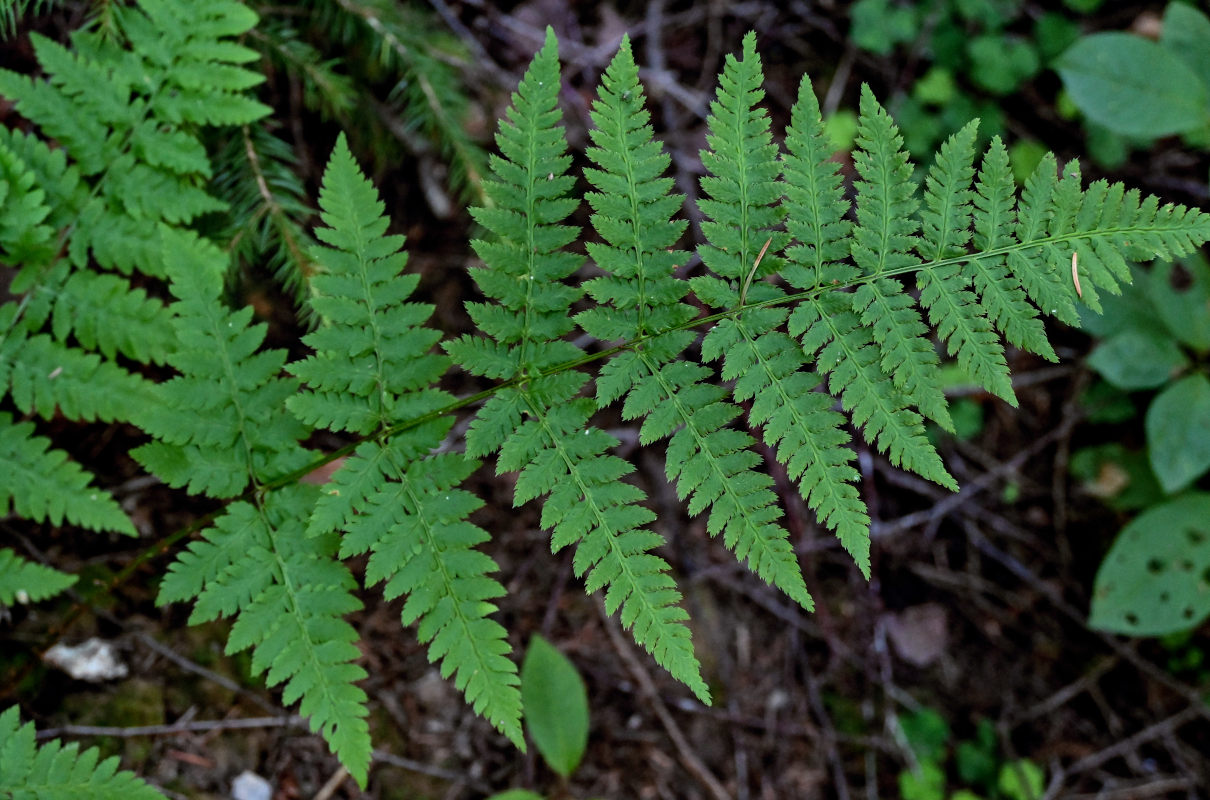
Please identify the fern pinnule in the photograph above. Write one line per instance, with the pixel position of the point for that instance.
(25, 581)
(541, 426)
(54, 771)
(373, 366)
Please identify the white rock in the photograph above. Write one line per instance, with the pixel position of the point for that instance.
(250, 786)
(93, 660)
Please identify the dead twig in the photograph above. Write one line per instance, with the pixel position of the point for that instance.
(688, 757)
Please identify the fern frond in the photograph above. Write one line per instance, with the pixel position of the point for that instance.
(23, 581)
(372, 367)
(221, 423)
(952, 308)
(57, 772)
(288, 595)
(541, 426)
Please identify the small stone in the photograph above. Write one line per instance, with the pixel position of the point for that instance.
(93, 660)
(250, 786)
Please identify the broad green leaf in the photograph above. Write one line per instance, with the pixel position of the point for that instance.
(1187, 33)
(1156, 578)
(1135, 359)
(1181, 297)
(1178, 432)
(517, 794)
(556, 706)
(1133, 86)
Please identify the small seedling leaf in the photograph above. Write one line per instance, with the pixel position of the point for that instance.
(556, 706)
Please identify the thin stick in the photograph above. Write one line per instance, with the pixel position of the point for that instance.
(200, 726)
(688, 758)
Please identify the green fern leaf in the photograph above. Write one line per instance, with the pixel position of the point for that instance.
(23, 581)
(540, 426)
(815, 202)
(57, 772)
(48, 378)
(88, 306)
(43, 484)
(372, 364)
(288, 596)
(24, 237)
(944, 290)
(883, 240)
(716, 465)
(423, 547)
(221, 422)
(1001, 291)
(372, 367)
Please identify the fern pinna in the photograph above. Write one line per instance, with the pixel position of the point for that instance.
(54, 771)
(222, 427)
(372, 369)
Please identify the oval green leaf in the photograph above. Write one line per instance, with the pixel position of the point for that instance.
(517, 794)
(556, 706)
(1187, 33)
(1136, 359)
(1156, 578)
(1133, 86)
(1178, 432)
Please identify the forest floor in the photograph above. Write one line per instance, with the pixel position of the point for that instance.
(976, 609)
